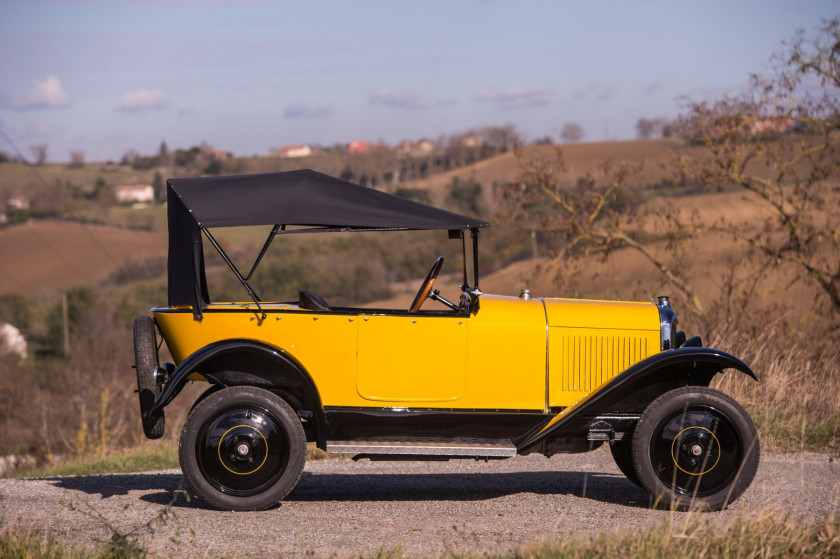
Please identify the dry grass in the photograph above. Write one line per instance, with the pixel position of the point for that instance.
(766, 535)
(796, 403)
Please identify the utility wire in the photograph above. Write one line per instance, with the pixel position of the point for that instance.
(43, 180)
(83, 228)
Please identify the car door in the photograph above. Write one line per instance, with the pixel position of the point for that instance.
(412, 358)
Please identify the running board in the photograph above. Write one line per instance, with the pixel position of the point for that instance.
(491, 448)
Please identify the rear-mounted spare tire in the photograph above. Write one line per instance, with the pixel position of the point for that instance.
(148, 388)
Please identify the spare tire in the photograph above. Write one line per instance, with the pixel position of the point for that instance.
(148, 388)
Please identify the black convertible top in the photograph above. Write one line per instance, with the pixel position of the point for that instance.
(298, 198)
(306, 198)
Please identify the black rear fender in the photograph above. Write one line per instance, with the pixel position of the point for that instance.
(628, 394)
(250, 363)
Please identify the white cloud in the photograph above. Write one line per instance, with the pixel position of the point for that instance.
(48, 93)
(516, 97)
(143, 100)
(397, 99)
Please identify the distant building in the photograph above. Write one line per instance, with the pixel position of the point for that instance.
(19, 203)
(294, 151)
(209, 151)
(132, 193)
(358, 146)
(473, 141)
(777, 124)
(420, 148)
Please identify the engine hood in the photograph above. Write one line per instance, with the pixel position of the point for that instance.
(582, 313)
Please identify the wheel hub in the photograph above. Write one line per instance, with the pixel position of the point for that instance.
(242, 450)
(696, 451)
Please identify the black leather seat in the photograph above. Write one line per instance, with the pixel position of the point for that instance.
(311, 301)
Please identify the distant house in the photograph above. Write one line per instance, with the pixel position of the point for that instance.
(19, 203)
(771, 124)
(358, 146)
(210, 152)
(420, 148)
(472, 141)
(294, 151)
(134, 193)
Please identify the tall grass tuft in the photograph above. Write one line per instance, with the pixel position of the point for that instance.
(768, 535)
(796, 403)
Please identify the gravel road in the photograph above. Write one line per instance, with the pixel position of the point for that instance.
(341, 506)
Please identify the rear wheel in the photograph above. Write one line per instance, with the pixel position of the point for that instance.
(242, 448)
(148, 388)
(695, 447)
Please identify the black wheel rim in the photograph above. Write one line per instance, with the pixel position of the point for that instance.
(696, 451)
(242, 451)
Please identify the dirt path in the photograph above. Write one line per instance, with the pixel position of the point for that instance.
(343, 506)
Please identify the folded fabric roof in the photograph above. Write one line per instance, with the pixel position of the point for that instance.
(297, 198)
(306, 198)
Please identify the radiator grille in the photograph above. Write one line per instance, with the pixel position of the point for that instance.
(582, 362)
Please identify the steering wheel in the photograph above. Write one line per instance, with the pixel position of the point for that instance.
(426, 286)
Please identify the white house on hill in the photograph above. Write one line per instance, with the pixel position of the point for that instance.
(295, 151)
(132, 193)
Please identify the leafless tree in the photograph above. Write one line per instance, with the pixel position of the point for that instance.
(77, 159)
(647, 128)
(39, 153)
(780, 144)
(594, 215)
(164, 157)
(572, 132)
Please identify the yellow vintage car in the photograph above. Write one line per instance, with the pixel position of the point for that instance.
(483, 377)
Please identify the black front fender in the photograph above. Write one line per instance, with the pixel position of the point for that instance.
(630, 392)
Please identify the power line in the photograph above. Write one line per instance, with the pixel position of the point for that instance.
(45, 183)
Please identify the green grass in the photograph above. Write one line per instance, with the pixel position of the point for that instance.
(144, 458)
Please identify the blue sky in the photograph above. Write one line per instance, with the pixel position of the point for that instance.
(246, 76)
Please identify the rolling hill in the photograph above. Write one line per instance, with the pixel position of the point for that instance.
(40, 257)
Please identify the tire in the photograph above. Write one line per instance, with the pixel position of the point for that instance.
(148, 389)
(622, 453)
(242, 448)
(695, 448)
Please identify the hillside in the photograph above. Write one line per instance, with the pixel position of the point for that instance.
(40, 257)
(580, 159)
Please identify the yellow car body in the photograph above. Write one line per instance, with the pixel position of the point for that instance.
(488, 377)
(521, 354)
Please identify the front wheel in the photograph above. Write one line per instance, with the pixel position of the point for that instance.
(242, 448)
(695, 447)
